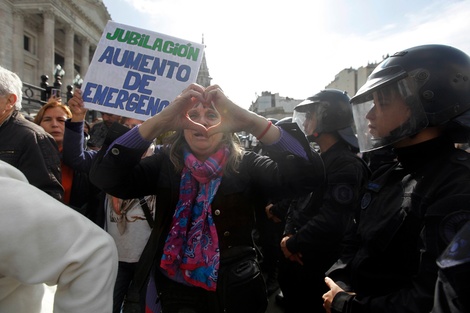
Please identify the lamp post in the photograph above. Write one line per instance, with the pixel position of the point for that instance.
(58, 74)
(77, 83)
(47, 89)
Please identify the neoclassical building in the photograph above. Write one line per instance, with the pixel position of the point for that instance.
(38, 35)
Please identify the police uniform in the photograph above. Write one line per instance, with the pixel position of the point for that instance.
(318, 223)
(410, 212)
(452, 287)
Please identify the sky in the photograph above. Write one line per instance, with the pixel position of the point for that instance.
(295, 48)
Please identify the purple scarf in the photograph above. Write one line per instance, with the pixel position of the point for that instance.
(191, 251)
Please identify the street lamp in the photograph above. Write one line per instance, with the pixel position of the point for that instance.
(58, 74)
(77, 81)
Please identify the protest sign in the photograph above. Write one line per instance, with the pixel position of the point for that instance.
(136, 73)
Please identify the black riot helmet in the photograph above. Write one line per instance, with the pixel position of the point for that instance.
(284, 120)
(434, 83)
(333, 113)
(273, 120)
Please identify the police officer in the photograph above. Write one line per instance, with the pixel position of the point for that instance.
(452, 287)
(418, 101)
(315, 224)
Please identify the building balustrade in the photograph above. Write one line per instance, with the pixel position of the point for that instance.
(34, 97)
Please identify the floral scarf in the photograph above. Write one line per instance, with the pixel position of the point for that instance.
(191, 251)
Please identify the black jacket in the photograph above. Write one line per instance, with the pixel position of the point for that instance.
(410, 212)
(84, 196)
(318, 222)
(316, 225)
(452, 287)
(29, 148)
(123, 174)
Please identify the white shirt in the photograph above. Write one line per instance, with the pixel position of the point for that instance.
(127, 224)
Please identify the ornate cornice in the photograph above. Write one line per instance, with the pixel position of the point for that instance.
(18, 13)
(49, 13)
(67, 12)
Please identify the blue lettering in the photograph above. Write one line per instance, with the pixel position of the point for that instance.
(139, 109)
(122, 98)
(144, 63)
(131, 81)
(183, 73)
(132, 103)
(107, 55)
(87, 92)
(109, 97)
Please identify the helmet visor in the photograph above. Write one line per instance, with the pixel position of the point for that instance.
(309, 118)
(299, 118)
(388, 114)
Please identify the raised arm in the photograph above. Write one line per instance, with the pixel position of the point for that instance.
(74, 154)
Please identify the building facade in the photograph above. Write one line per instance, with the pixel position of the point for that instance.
(351, 79)
(39, 35)
(274, 106)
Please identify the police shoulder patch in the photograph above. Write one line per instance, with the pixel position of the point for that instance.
(452, 223)
(343, 194)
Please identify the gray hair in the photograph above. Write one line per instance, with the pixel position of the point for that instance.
(10, 83)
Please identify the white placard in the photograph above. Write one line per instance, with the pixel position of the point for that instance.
(136, 73)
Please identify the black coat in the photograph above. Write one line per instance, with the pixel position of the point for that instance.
(409, 214)
(122, 173)
(317, 224)
(319, 221)
(29, 148)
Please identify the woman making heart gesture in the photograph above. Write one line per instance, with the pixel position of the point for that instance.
(200, 256)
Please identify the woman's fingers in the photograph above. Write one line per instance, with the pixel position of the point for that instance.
(329, 282)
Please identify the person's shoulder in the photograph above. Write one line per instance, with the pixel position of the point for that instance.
(11, 172)
(28, 133)
(249, 156)
(347, 162)
(460, 158)
(342, 156)
(21, 123)
(97, 125)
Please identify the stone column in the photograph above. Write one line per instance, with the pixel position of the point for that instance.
(48, 42)
(85, 56)
(18, 43)
(69, 56)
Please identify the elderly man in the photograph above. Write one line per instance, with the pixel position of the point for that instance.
(24, 144)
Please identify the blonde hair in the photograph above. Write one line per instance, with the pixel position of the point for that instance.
(175, 142)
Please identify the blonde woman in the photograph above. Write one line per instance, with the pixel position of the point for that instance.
(200, 256)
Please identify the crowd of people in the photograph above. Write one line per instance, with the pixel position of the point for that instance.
(351, 205)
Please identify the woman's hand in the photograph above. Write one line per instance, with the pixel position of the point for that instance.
(175, 116)
(77, 107)
(235, 118)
